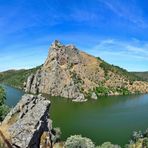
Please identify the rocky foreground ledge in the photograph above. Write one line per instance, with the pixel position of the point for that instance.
(28, 121)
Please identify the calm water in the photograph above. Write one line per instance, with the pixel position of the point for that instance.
(13, 95)
(107, 119)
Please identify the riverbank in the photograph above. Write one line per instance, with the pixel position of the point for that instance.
(13, 95)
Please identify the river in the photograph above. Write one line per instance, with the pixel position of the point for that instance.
(111, 118)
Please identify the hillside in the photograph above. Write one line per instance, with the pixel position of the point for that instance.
(16, 78)
(71, 73)
(142, 75)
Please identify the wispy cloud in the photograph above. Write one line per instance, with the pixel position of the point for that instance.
(131, 55)
(129, 11)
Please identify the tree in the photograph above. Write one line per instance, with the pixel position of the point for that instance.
(3, 108)
(2, 96)
(77, 141)
(108, 145)
(145, 142)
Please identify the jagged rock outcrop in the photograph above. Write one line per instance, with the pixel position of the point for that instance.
(71, 73)
(57, 76)
(28, 120)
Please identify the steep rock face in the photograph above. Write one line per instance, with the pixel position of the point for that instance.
(66, 72)
(71, 73)
(28, 120)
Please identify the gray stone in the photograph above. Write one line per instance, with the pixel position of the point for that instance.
(54, 77)
(94, 96)
(32, 121)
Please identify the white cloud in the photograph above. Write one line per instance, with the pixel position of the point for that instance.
(129, 11)
(131, 55)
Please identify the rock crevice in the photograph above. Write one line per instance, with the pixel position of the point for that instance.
(28, 120)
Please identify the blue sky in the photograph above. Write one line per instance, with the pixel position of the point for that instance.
(115, 30)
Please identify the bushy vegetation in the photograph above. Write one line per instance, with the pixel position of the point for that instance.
(76, 78)
(139, 139)
(116, 69)
(105, 91)
(56, 135)
(3, 108)
(77, 141)
(123, 91)
(142, 75)
(145, 142)
(108, 145)
(2, 96)
(101, 90)
(16, 78)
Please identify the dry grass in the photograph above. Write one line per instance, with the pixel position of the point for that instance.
(13, 119)
(59, 145)
(4, 130)
(5, 140)
(43, 140)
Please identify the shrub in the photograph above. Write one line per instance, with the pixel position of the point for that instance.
(123, 91)
(101, 90)
(145, 142)
(136, 136)
(3, 108)
(77, 141)
(3, 111)
(2, 96)
(56, 134)
(108, 145)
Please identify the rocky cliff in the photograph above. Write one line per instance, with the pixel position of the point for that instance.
(28, 121)
(71, 73)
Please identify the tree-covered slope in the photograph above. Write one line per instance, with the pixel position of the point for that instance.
(3, 108)
(142, 75)
(16, 78)
(118, 70)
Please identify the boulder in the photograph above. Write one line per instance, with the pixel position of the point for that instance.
(94, 96)
(31, 121)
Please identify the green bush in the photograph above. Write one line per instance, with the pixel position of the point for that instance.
(56, 135)
(3, 111)
(2, 96)
(137, 135)
(77, 141)
(3, 108)
(145, 134)
(145, 143)
(123, 91)
(139, 138)
(101, 90)
(108, 145)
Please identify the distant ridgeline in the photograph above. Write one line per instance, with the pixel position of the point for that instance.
(131, 76)
(71, 73)
(16, 78)
(142, 75)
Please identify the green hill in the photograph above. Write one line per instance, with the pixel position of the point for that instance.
(120, 71)
(16, 78)
(142, 75)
